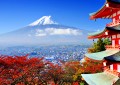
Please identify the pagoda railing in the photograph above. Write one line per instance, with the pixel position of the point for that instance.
(112, 72)
(117, 22)
(110, 46)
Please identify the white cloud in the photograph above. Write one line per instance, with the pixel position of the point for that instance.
(54, 31)
(40, 33)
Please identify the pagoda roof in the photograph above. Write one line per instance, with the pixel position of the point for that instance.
(101, 55)
(115, 57)
(114, 1)
(100, 34)
(117, 82)
(100, 78)
(110, 7)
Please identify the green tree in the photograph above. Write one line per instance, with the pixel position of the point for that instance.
(97, 46)
(107, 41)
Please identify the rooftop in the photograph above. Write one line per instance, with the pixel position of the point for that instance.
(100, 34)
(101, 55)
(115, 57)
(110, 7)
(114, 1)
(100, 78)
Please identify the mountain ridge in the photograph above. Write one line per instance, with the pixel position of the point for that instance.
(43, 21)
(45, 33)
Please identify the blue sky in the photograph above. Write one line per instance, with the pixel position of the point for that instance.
(15, 14)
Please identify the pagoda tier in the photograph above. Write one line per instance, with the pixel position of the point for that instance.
(109, 10)
(107, 32)
(111, 66)
(113, 33)
(112, 63)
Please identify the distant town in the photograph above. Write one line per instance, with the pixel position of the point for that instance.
(51, 53)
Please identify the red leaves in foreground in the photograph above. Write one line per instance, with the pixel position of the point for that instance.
(35, 71)
(20, 70)
(91, 66)
(75, 68)
(54, 72)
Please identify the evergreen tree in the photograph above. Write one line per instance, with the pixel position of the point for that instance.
(107, 41)
(97, 46)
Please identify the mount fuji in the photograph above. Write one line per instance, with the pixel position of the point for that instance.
(44, 31)
(43, 21)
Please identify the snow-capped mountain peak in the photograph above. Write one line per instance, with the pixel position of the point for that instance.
(43, 21)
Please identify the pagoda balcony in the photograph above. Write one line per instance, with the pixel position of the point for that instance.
(113, 72)
(117, 22)
(111, 47)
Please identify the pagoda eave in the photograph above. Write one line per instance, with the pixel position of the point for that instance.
(100, 78)
(107, 32)
(106, 11)
(114, 58)
(101, 55)
(114, 1)
(97, 36)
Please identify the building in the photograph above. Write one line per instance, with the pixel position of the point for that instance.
(111, 56)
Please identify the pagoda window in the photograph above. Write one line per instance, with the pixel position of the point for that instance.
(113, 20)
(118, 35)
(109, 38)
(106, 33)
(119, 41)
(113, 36)
(119, 17)
(118, 66)
(118, 12)
(111, 67)
(113, 43)
(104, 63)
(114, 14)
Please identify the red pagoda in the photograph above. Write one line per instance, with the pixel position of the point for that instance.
(111, 56)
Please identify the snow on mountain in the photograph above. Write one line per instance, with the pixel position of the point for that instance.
(45, 31)
(46, 26)
(43, 21)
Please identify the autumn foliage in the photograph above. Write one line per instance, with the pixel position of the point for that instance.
(22, 70)
(75, 68)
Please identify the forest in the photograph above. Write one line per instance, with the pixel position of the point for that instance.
(22, 70)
